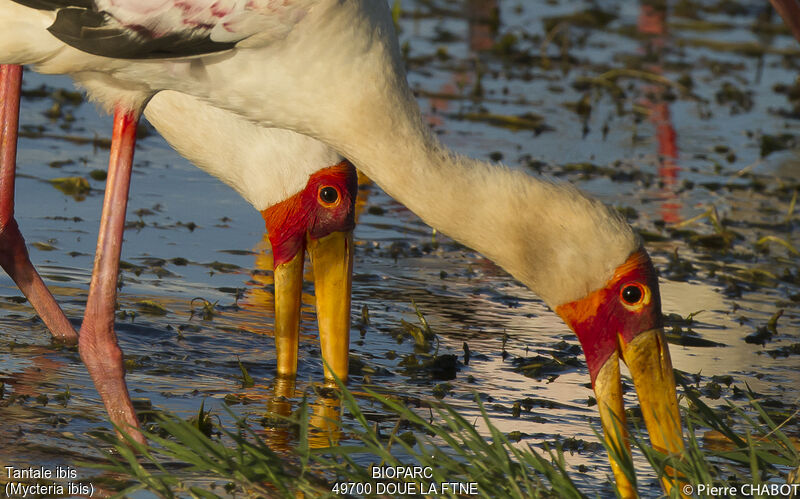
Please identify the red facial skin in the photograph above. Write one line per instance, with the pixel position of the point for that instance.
(603, 319)
(306, 212)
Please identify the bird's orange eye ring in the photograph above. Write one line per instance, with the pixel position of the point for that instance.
(328, 196)
(634, 295)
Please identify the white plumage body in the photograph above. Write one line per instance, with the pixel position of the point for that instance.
(264, 165)
(221, 20)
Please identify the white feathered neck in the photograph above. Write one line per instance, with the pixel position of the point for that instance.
(264, 165)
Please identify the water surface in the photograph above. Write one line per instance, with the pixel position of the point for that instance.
(663, 114)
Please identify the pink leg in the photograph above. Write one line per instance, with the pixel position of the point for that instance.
(790, 12)
(13, 253)
(98, 342)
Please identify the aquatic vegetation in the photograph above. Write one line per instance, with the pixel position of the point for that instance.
(247, 380)
(728, 447)
(151, 307)
(207, 309)
(77, 187)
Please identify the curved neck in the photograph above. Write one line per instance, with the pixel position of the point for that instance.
(549, 236)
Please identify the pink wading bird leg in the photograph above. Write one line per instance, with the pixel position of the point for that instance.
(789, 10)
(97, 344)
(13, 253)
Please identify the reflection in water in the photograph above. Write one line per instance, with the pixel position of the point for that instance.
(483, 19)
(325, 418)
(277, 433)
(25, 368)
(652, 24)
(23, 378)
(259, 297)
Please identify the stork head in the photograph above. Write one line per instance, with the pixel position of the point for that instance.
(623, 321)
(319, 219)
(586, 262)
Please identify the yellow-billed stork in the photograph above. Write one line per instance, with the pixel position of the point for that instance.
(331, 69)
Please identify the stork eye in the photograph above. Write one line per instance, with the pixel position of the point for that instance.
(328, 195)
(632, 294)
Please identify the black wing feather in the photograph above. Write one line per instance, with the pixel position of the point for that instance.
(55, 4)
(79, 24)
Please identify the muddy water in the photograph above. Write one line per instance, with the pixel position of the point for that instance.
(663, 114)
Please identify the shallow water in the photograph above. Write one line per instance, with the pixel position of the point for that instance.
(648, 142)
